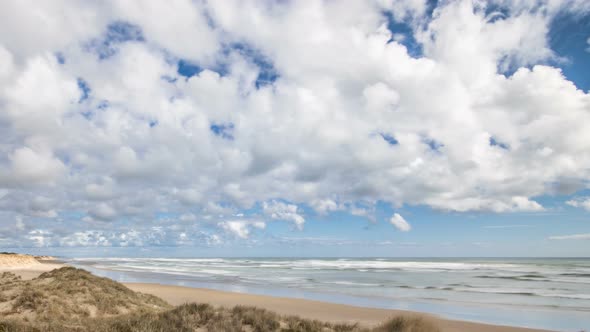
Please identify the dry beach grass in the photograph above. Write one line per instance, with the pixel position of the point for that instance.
(69, 295)
(70, 299)
(43, 295)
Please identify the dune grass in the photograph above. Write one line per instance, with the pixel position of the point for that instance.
(70, 299)
(70, 294)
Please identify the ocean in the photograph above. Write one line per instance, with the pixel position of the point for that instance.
(549, 293)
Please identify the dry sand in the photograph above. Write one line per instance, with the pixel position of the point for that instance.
(32, 271)
(27, 266)
(17, 260)
(330, 312)
(323, 311)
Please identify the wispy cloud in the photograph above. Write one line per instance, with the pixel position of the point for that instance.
(506, 226)
(580, 202)
(481, 244)
(309, 240)
(585, 236)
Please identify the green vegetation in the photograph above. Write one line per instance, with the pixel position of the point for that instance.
(70, 299)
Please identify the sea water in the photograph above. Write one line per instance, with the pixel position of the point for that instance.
(550, 293)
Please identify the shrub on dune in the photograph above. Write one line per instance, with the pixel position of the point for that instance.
(70, 299)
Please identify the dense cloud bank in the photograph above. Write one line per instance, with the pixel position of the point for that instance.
(188, 122)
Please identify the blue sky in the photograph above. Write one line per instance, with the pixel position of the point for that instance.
(375, 128)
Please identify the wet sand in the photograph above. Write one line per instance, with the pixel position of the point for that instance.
(324, 311)
(330, 312)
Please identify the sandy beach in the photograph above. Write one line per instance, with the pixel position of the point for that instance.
(324, 311)
(26, 266)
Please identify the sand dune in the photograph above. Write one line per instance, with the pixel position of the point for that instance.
(45, 258)
(17, 260)
(70, 299)
(27, 266)
(328, 312)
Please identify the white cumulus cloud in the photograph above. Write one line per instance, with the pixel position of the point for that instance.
(580, 202)
(126, 111)
(283, 211)
(241, 228)
(400, 223)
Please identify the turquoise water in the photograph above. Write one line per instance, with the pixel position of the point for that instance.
(545, 293)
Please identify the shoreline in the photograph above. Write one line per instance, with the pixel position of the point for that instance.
(305, 308)
(311, 309)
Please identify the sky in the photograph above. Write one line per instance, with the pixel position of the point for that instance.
(295, 128)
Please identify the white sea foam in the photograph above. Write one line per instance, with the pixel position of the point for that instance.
(379, 264)
(352, 283)
(550, 283)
